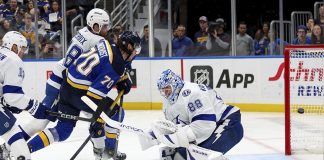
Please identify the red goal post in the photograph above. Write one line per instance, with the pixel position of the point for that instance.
(304, 98)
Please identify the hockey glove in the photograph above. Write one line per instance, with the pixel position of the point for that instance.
(50, 102)
(180, 138)
(12, 109)
(97, 126)
(36, 109)
(125, 85)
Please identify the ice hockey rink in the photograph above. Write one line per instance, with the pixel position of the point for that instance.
(263, 140)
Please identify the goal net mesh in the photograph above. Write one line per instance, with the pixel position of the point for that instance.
(306, 96)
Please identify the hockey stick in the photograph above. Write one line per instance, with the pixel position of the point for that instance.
(195, 151)
(118, 132)
(94, 117)
(68, 116)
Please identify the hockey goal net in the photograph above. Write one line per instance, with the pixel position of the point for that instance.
(304, 99)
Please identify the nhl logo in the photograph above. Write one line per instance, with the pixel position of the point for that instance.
(202, 75)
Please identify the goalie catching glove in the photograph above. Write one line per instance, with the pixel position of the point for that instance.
(172, 135)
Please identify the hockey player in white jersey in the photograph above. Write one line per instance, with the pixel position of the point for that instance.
(12, 97)
(200, 115)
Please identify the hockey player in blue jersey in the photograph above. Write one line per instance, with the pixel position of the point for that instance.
(98, 25)
(93, 74)
(12, 97)
(199, 115)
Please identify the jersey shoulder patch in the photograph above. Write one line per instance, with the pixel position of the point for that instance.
(186, 92)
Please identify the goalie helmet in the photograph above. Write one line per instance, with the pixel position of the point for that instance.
(100, 17)
(169, 78)
(14, 38)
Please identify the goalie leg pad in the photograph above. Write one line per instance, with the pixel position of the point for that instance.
(227, 134)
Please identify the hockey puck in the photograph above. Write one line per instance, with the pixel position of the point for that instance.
(301, 110)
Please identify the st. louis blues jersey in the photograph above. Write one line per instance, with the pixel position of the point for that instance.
(80, 43)
(11, 79)
(98, 70)
(200, 108)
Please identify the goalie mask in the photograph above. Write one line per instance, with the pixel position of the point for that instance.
(170, 85)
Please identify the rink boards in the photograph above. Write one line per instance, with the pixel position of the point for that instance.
(253, 84)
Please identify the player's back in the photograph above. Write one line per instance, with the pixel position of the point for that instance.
(82, 42)
(11, 69)
(8, 61)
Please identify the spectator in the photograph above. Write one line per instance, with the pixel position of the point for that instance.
(261, 43)
(201, 36)
(310, 26)
(301, 36)
(244, 42)
(174, 35)
(2, 8)
(48, 49)
(30, 8)
(265, 30)
(55, 16)
(317, 35)
(10, 12)
(44, 8)
(145, 44)
(182, 43)
(218, 42)
(320, 19)
(29, 31)
(5, 27)
(274, 45)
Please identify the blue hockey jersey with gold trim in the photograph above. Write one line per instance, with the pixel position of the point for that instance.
(98, 70)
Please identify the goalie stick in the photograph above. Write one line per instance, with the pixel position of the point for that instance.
(195, 151)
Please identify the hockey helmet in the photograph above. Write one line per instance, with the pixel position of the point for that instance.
(15, 38)
(100, 17)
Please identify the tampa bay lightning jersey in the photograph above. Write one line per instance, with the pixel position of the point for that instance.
(11, 78)
(97, 70)
(199, 107)
(80, 43)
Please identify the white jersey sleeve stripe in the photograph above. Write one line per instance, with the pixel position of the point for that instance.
(12, 89)
(204, 117)
(228, 111)
(54, 84)
(56, 78)
(97, 92)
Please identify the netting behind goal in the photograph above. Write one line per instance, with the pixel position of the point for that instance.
(304, 99)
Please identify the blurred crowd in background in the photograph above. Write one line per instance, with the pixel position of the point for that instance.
(212, 39)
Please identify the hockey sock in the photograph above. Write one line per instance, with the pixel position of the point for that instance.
(40, 141)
